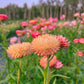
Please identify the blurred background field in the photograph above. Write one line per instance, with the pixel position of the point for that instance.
(19, 11)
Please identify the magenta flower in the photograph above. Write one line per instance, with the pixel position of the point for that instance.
(23, 24)
(81, 40)
(3, 17)
(35, 34)
(58, 64)
(76, 40)
(13, 40)
(80, 53)
(63, 41)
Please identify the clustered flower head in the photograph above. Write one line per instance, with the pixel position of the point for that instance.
(23, 24)
(76, 15)
(80, 53)
(63, 41)
(13, 40)
(32, 22)
(58, 64)
(35, 34)
(20, 32)
(19, 50)
(46, 45)
(3, 17)
(80, 40)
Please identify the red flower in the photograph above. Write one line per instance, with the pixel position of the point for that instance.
(23, 24)
(3, 17)
(81, 40)
(64, 42)
(58, 64)
(80, 53)
(20, 32)
(35, 34)
(76, 40)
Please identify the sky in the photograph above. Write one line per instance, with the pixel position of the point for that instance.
(4, 3)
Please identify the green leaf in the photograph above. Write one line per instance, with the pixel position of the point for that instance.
(54, 82)
(13, 77)
(40, 70)
(4, 81)
(60, 76)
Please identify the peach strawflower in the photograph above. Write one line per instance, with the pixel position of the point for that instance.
(19, 50)
(64, 42)
(46, 45)
(43, 61)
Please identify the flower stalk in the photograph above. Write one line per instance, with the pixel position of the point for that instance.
(19, 71)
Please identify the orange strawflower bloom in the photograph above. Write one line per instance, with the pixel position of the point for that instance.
(19, 50)
(46, 45)
(43, 61)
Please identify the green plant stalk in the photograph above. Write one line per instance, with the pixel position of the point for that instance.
(19, 70)
(78, 69)
(46, 74)
(4, 43)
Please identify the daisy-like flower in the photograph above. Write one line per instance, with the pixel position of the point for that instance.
(46, 45)
(64, 42)
(43, 61)
(19, 50)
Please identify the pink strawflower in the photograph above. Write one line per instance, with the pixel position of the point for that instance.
(80, 53)
(74, 23)
(82, 19)
(64, 42)
(55, 19)
(81, 40)
(50, 27)
(44, 28)
(76, 15)
(35, 27)
(62, 17)
(50, 19)
(76, 40)
(13, 40)
(3, 17)
(58, 64)
(29, 30)
(20, 32)
(82, 22)
(66, 23)
(82, 14)
(35, 34)
(23, 24)
(54, 25)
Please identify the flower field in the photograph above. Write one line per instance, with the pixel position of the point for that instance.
(42, 51)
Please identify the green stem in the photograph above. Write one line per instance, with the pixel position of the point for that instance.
(46, 73)
(78, 69)
(4, 43)
(19, 70)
